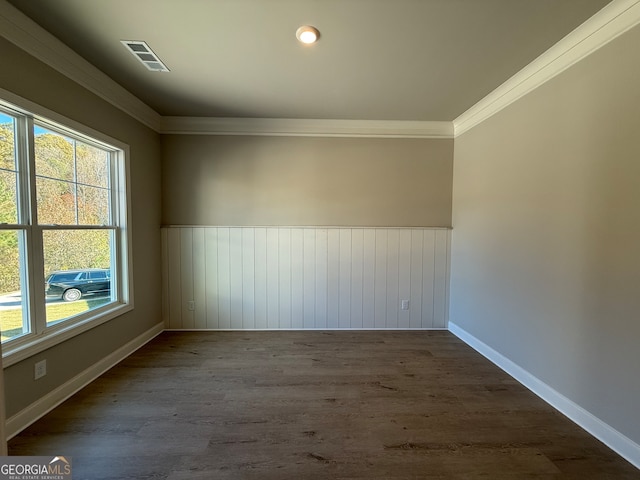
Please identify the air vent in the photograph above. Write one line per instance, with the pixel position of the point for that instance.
(145, 55)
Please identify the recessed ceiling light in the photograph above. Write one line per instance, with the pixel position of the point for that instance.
(307, 34)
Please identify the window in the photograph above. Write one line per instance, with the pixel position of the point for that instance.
(64, 262)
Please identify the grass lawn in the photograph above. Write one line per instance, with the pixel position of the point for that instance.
(11, 319)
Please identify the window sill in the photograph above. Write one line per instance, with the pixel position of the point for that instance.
(30, 346)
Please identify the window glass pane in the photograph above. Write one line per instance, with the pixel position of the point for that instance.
(55, 171)
(12, 316)
(69, 257)
(93, 206)
(73, 181)
(92, 165)
(54, 155)
(8, 198)
(56, 202)
(7, 143)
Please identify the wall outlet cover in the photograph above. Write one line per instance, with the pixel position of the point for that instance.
(40, 369)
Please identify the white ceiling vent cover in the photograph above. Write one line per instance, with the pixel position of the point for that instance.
(143, 52)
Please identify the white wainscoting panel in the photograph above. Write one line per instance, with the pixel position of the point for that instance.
(247, 278)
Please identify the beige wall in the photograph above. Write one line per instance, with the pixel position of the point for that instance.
(545, 246)
(31, 79)
(252, 180)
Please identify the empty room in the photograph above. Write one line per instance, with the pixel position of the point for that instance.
(350, 239)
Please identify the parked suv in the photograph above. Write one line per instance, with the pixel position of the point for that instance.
(71, 285)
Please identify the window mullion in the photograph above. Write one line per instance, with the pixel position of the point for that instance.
(114, 238)
(75, 180)
(34, 256)
(21, 146)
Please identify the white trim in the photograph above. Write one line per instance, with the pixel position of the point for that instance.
(615, 440)
(323, 329)
(306, 127)
(44, 405)
(36, 41)
(447, 300)
(610, 22)
(351, 227)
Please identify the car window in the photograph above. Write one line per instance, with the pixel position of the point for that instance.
(63, 277)
(98, 275)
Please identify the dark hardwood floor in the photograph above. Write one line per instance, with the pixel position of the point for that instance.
(314, 405)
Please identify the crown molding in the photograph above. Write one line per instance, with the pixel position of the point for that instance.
(612, 21)
(305, 127)
(30, 37)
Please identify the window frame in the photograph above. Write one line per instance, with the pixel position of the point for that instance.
(41, 336)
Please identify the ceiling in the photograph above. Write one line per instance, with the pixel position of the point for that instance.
(420, 60)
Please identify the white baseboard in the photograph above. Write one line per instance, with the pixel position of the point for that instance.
(615, 440)
(44, 405)
(421, 329)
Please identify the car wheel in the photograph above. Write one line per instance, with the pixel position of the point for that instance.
(71, 295)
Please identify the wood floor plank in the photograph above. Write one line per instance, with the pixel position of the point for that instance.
(326, 405)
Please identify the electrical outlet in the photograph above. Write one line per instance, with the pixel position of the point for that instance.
(191, 306)
(40, 369)
(404, 305)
